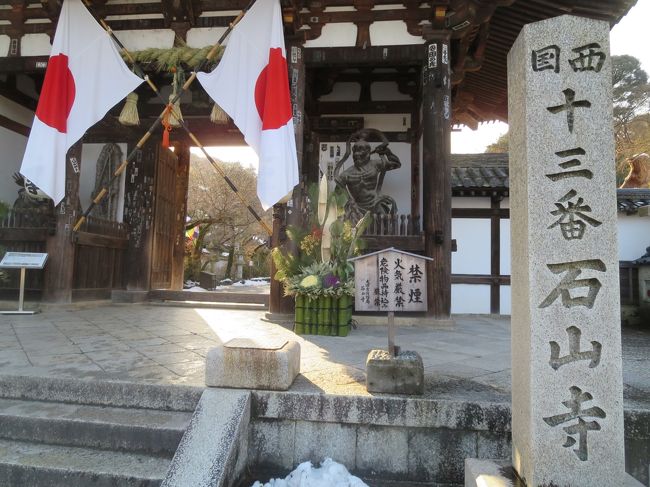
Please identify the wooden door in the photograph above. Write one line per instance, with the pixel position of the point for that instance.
(164, 219)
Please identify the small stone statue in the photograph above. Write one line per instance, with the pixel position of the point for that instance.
(32, 208)
(363, 180)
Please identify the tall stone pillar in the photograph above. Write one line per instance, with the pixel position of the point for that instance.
(59, 271)
(436, 173)
(567, 397)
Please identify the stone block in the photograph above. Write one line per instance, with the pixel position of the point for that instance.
(272, 444)
(245, 363)
(211, 449)
(316, 441)
(438, 455)
(493, 445)
(403, 374)
(382, 452)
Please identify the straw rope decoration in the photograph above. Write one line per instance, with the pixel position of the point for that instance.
(211, 56)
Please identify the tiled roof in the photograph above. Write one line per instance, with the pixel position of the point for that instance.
(630, 200)
(478, 173)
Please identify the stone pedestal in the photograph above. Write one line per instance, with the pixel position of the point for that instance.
(403, 374)
(244, 363)
(567, 391)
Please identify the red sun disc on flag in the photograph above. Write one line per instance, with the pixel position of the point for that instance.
(57, 95)
(272, 92)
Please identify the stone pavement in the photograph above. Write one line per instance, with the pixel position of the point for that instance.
(164, 344)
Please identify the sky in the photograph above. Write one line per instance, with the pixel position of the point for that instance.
(629, 36)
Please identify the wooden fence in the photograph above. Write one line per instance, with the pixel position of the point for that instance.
(400, 231)
(99, 253)
(24, 230)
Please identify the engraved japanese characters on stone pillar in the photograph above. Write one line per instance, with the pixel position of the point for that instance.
(567, 399)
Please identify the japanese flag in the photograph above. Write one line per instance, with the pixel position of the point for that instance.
(251, 85)
(85, 77)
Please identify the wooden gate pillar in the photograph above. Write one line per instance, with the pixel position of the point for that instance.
(182, 150)
(436, 172)
(59, 270)
(290, 214)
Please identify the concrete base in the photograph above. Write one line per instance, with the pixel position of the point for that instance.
(244, 363)
(500, 473)
(403, 374)
(124, 296)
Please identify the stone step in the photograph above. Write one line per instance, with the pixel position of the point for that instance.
(40, 465)
(109, 428)
(101, 393)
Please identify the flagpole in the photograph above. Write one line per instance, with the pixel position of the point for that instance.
(170, 108)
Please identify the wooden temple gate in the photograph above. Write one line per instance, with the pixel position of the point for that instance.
(449, 67)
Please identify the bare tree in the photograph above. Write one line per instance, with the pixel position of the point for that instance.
(223, 221)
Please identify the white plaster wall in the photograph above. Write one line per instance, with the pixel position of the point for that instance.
(136, 40)
(470, 202)
(35, 45)
(386, 91)
(345, 91)
(335, 35)
(392, 33)
(4, 45)
(13, 147)
(205, 36)
(394, 122)
(473, 240)
(505, 247)
(633, 236)
(470, 299)
(506, 303)
(89, 155)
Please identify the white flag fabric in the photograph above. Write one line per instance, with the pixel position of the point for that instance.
(85, 77)
(251, 84)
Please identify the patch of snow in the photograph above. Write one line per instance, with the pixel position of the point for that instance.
(330, 474)
(196, 289)
(250, 282)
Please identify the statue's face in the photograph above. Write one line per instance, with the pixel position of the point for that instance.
(361, 154)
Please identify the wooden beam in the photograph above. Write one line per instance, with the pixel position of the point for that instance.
(346, 107)
(495, 256)
(18, 96)
(480, 212)
(409, 55)
(14, 126)
(24, 64)
(104, 241)
(480, 279)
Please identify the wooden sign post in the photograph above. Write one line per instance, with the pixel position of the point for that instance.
(390, 280)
